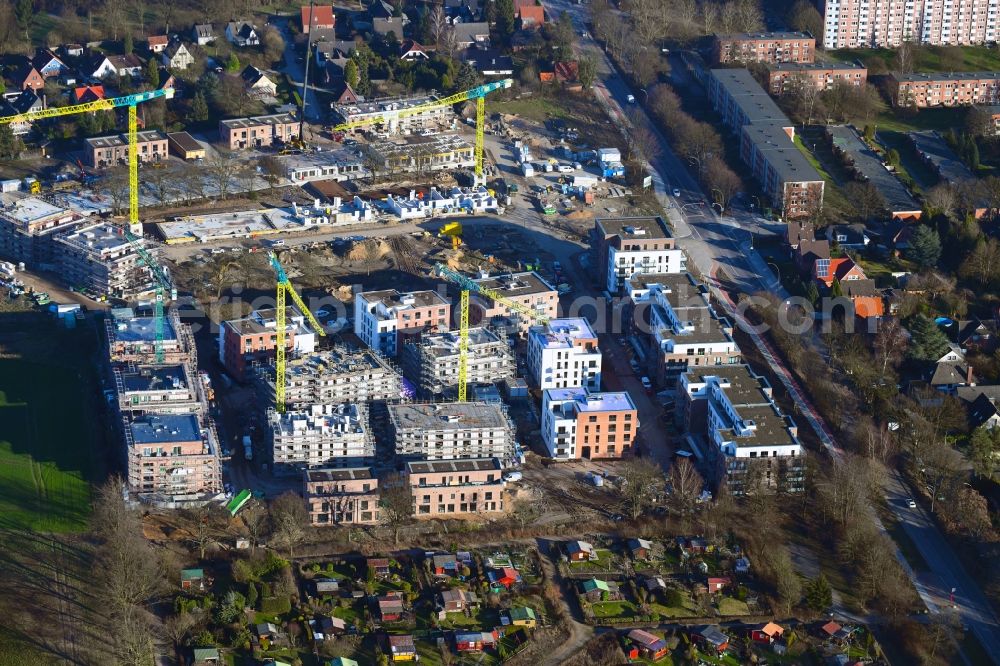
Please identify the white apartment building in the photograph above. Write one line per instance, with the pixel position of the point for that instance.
(564, 354)
(320, 436)
(577, 423)
(888, 23)
(385, 319)
(626, 246)
(432, 364)
(451, 430)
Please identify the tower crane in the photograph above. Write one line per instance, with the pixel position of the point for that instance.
(284, 286)
(467, 285)
(160, 277)
(478, 93)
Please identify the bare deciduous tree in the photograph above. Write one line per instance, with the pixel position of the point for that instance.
(396, 502)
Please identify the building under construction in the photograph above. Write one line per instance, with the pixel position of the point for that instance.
(132, 338)
(172, 458)
(420, 154)
(99, 260)
(331, 377)
(163, 389)
(28, 227)
(450, 430)
(320, 436)
(432, 363)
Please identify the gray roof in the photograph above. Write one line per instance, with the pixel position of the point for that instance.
(897, 198)
(467, 32)
(945, 76)
(933, 148)
(746, 36)
(781, 153)
(816, 66)
(754, 102)
(464, 465)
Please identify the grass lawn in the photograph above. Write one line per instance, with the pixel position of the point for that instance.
(352, 614)
(832, 195)
(484, 618)
(725, 659)
(604, 562)
(532, 108)
(45, 463)
(928, 58)
(926, 119)
(686, 609)
(14, 652)
(613, 609)
(729, 606)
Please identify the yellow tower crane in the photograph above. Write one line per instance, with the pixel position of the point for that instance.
(285, 287)
(478, 93)
(467, 285)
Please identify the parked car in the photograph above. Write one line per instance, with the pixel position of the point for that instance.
(634, 364)
(646, 384)
(513, 476)
(677, 192)
(910, 502)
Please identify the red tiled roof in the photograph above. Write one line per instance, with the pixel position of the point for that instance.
(546, 77)
(533, 13)
(567, 71)
(157, 40)
(322, 16)
(88, 93)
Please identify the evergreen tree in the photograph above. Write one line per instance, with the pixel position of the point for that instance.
(928, 342)
(925, 246)
(233, 64)
(10, 144)
(836, 290)
(153, 73)
(24, 14)
(127, 45)
(351, 73)
(505, 19)
(819, 595)
(984, 445)
(199, 108)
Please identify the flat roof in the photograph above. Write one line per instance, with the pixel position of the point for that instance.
(946, 76)
(165, 429)
(706, 327)
(781, 153)
(114, 140)
(257, 121)
(597, 401)
(869, 165)
(31, 209)
(562, 332)
(770, 428)
(345, 474)
(816, 66)
(141, 329)
(392, 298)
(442, 143)
(97, 237)
(754, 102)
(463, 465)
(512, 285)
(447, 342)
(447, 416)
(936, 150)
(765, 35)
(154, 378)
(336, 361)
(634, 227)
(744, 387)
(384, 105)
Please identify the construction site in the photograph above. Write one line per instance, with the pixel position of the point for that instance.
(320, 435)
(432, 363)
(451, 430)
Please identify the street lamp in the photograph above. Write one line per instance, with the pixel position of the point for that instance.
(721, 198)
(645, 96)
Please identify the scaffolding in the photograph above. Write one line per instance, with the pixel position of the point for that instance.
(434, 362)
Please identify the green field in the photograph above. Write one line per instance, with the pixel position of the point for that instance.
(927, 58)
(46, 445)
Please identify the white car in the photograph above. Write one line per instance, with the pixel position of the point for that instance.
(677, 192)
(911, 503)
(646, 384)
(513, 476)
(565, 168)
(278, 243)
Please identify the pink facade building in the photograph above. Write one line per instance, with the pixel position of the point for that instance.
(787, 77)
(767, 47)
(172, 456)
(877, 23)
(453, 488)
(923, 90)
(342, 496)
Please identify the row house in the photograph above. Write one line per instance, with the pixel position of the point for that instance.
(930, 89)
(766, 47)
(259, 131)
(786, 78)
(109, 151)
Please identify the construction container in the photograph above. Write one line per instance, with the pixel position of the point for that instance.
(10, 185)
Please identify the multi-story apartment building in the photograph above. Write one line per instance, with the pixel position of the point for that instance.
(242, 342)
(929, 89)
(766, 47)
(684, 327)
(384, 320)
(418, 154)
(334, 376)
(564, 353)
(888, 23)
(742, 441)
(163, 389)
(451, 430)
(388, 110)
(456, 488)
(108, 151)
(624, 246)
(766, 146)
(528, 289)
(320, 436)
(259, 131)
(99, 260)
(432, 363)
(132, 338)
(577, 423)
(341, 496)
(172, 457)
(27, 230)
(785, 78)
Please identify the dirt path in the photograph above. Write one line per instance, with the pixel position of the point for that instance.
(579, 633)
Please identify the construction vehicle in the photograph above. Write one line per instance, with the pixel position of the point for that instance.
(467, 285)
(452, 230)
(478, 93)
(238, 502)
(284, 287)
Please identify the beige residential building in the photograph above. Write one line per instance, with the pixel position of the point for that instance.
(99, 260)
(888, 23)
(258, 131)
(432, 363)
(528, 289)
(109, 151)
(172, 457)
(341, 496)
(929, 89)
(456, 488)
(451, 430)
(321, 435)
